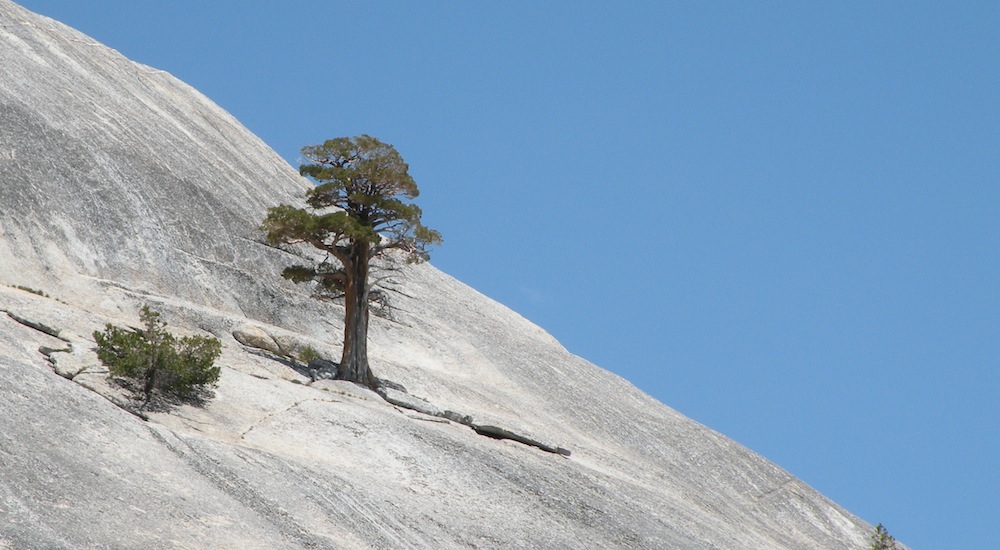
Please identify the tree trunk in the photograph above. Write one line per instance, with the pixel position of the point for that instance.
(354, 361)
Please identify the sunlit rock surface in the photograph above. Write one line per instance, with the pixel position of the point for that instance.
(121, 186)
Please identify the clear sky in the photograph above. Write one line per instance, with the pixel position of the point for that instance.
(780, 218)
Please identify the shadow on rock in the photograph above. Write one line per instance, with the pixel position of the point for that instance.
(159, 401)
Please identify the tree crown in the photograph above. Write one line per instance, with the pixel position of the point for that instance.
(368, 182)
(359, 201)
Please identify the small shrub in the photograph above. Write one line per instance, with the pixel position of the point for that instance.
(307, 354)
(882, 540)
(155, 360)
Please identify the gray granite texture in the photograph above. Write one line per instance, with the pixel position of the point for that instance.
(121, 186)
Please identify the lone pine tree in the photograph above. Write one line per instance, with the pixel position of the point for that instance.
(357, 212)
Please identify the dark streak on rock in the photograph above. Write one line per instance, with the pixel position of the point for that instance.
(493, 432)
(40, 327)
(500, 433)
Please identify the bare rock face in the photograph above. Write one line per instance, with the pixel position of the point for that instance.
(121, 187)
(116, 173)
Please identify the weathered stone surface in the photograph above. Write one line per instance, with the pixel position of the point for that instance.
(124, 187)
(255, 337)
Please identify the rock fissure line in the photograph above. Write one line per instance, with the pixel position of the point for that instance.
(282, 411)
(47, 351)
(389, 394)
(40, 327)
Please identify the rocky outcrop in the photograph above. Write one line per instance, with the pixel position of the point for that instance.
(124, 187)
(255, 337)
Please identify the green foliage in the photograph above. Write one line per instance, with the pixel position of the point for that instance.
(366, 181)
(156, 360)
(307, 354)
(882, 540)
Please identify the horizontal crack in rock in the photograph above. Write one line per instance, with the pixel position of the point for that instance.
(500, 433)
(272, 414)
(40, 327)
(393, 395)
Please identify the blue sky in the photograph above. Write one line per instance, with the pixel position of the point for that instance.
(780, 218)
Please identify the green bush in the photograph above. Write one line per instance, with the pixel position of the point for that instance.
(155, 360)
(307, 354)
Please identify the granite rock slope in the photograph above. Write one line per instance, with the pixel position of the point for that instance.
(121, 186)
